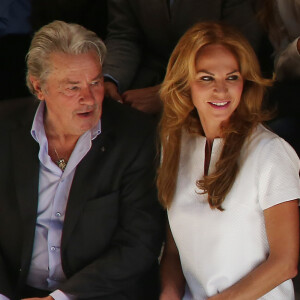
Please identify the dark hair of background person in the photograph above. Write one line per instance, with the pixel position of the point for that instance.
(88, 13)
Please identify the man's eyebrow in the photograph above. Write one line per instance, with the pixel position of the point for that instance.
(69, 81)
(100, 75)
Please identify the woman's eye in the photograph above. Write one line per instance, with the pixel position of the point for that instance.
(206, 78)
(233, 77)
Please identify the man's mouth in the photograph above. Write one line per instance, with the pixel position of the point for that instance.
(85, 114)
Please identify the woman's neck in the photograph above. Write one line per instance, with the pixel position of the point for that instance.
(211, 131)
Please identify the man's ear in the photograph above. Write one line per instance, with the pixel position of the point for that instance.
(37, 87)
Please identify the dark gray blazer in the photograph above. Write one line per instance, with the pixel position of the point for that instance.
(142, 35)
(113, 226)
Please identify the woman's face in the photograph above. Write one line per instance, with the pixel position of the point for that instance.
(218, 85)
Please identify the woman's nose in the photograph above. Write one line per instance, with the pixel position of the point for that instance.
(220, 87)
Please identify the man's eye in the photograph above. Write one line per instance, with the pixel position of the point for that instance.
(73, 88)
(95, 83)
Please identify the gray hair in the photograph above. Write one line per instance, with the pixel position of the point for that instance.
(59, 36)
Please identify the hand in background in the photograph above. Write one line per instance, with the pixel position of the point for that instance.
(146, 99)
(170, 296)
(111, 91)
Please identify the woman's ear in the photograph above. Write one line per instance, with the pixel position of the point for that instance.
(37, 87)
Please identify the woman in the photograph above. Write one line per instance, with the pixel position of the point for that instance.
(231, 186)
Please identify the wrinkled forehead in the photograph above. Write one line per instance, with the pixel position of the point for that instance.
(60, 62)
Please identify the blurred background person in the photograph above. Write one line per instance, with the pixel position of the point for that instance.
(89, 13)
(15, 36)
(281, 20)
(142, 36)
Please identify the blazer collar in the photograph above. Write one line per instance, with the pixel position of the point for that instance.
(85, 172)
(26, 175)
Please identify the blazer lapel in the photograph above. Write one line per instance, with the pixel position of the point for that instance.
(26, 174)
(82, 180)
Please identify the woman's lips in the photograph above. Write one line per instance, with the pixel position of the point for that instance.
(219, 104)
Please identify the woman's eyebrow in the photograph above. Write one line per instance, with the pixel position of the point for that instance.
(234, 71)
(205, 71)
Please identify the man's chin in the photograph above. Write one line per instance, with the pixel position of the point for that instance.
(88, 125)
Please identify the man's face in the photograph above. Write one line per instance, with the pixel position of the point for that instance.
(73, 93)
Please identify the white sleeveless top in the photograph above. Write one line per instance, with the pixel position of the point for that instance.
(218, 248)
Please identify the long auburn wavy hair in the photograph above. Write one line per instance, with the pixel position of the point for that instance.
(179, 112)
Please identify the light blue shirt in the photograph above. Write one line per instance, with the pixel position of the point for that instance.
(54, 186)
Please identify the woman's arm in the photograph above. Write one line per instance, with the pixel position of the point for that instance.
(172, 279)
(282, 227)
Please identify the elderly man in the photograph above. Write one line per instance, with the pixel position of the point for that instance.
(79, 216)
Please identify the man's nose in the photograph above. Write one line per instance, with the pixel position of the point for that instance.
(87, 96)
